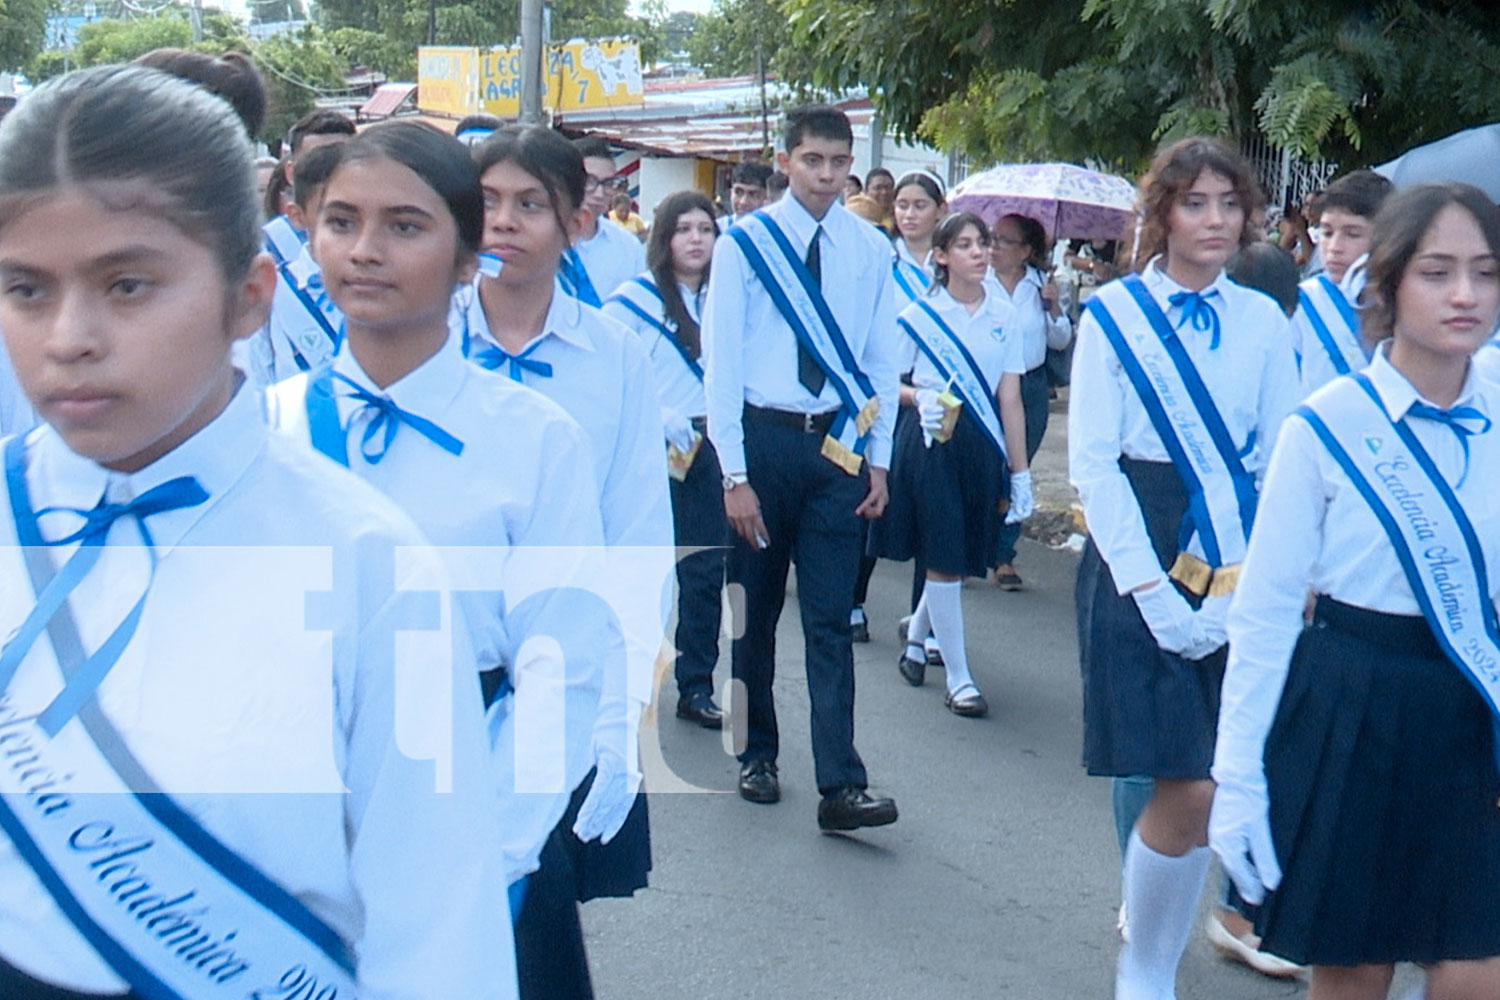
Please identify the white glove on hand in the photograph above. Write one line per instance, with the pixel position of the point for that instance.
(617, 779)
(1239, 831)
(1211, 616)
(677, 429)
(1022, 502)
(930, 413)
(1172, 623)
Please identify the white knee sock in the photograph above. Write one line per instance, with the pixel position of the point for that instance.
(1161, 893)
(918, 627)
(945, 608)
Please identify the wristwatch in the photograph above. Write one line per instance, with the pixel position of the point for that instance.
(733, 479)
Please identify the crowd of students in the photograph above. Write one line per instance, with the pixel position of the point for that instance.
(440, 394)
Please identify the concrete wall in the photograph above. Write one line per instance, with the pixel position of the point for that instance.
(660, 176)
(897, 157)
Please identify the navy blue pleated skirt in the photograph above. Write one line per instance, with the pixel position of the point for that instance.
(943, 506)
(617, 868)
(1385, 799)
(1145, 711)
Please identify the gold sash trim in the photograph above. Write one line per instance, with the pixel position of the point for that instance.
(835, 452)
(1198, 577)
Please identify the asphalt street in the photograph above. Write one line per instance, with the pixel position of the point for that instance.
(1001, 878)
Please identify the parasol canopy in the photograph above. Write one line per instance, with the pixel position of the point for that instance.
(1070, 202)
(1471, 156)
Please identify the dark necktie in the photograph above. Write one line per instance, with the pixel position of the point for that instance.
(809, 372)
(183, 491)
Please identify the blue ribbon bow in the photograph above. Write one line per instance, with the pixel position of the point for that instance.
(493, 357)
(184, 491)
(1463, 421)
(388, 418)
(1197, 310)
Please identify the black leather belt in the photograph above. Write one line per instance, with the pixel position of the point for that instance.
(807, 423)
(700, 424)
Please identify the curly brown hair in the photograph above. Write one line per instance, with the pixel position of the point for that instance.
(1172, 173)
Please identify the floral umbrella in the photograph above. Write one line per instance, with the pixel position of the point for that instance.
(1070, 202)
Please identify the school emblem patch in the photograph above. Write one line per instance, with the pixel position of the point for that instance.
(1373, 443)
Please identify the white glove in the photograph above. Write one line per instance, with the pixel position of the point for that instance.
(1239, 831)
(1211, 616)
(930, 413)
(616, 780)
(1172, 623)
(677, 429)
(1022, 503)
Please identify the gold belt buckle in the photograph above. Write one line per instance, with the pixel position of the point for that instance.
(808, 425)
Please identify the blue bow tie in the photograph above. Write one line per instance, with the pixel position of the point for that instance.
(1463, 421)
(174, 494)
(387, 417)
(1197, 310)
(493, 357)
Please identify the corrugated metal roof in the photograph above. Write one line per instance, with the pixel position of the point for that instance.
(386, 99)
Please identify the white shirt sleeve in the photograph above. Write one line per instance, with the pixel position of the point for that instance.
(881, 361)
(724, 354)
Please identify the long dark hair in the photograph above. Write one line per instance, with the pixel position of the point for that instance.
(439, 159)
(943, 237)
(544, 154)
(659, 260)
(1034, 235)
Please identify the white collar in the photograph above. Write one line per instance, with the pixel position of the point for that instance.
(1398, 395)
(426, 390)
(564, 319)
(799, 220)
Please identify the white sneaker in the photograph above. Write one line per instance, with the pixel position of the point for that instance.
(1246, 951)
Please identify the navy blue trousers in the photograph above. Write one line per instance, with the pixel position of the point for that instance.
(698, 521)
(808, 505)
(1034, 397)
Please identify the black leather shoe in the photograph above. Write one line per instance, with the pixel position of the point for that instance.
(700, 708)
(859, 630)
(914, 672)
(852, 808)
(758, 782)
(967, 702)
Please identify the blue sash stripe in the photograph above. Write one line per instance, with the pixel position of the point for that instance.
(899, 269)
(938, 364)
(621, 299)
(327, 434)
(313, 309)
(1341, 303)
(575, 278)
(1403, 553)
(815, 294)
(1197, 503)
(1244, 482)
(1325, 335)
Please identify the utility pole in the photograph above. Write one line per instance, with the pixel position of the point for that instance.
(431, 22)
(531, 62)
(760, 70)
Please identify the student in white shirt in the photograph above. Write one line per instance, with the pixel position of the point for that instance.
(664, 306)
(951, 479)
(16, 415)
(286, 233)
(604, 255)
(1151, 648)
(522, 324)
(325, 782)
(1325, 331)
(402, 408)
(747, 191)
(787, 421)
(1019, 256)
(1356, 760)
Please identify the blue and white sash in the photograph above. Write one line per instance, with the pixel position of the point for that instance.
(910, 279)
(1426, 524)
(953, 361)
(801, 304)
(1221, 493)
(575, 278)
(641, 298)
(1334, 322)
(173, 911)
(283, 242)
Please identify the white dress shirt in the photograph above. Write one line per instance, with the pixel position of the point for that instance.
(1316, 533)
(751, 353)
(292, 330)
(1317, 367)
(16, 414)
(523, 480)
(904, 256)
(612, 256)
(283, 241)
(1038, 329)
(1487, 359)
(1251, 376)
(680, 388)
(987, 333)
(257, 718)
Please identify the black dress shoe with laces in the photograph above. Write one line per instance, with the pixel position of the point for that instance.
(852, 808)
(758, 782)
(700, 708)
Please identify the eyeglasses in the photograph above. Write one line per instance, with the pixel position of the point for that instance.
(1001, 241)
(592, 183)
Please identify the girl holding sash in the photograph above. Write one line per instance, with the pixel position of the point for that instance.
(1185, 377)
(520, 322)
(205, 614)
(663, 306)
(1356, 757)
(952, 480)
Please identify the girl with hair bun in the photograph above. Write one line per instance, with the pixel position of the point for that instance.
(1363, 742)
(1186, 377)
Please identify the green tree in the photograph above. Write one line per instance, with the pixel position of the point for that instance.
(1347, 80)
(23, 31)
(734, 32)
(299, 66)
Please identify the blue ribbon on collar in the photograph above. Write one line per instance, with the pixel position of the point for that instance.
(184, 491)
(1463, 421)
(1197, 310)
(492, 357)
(388, 418)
